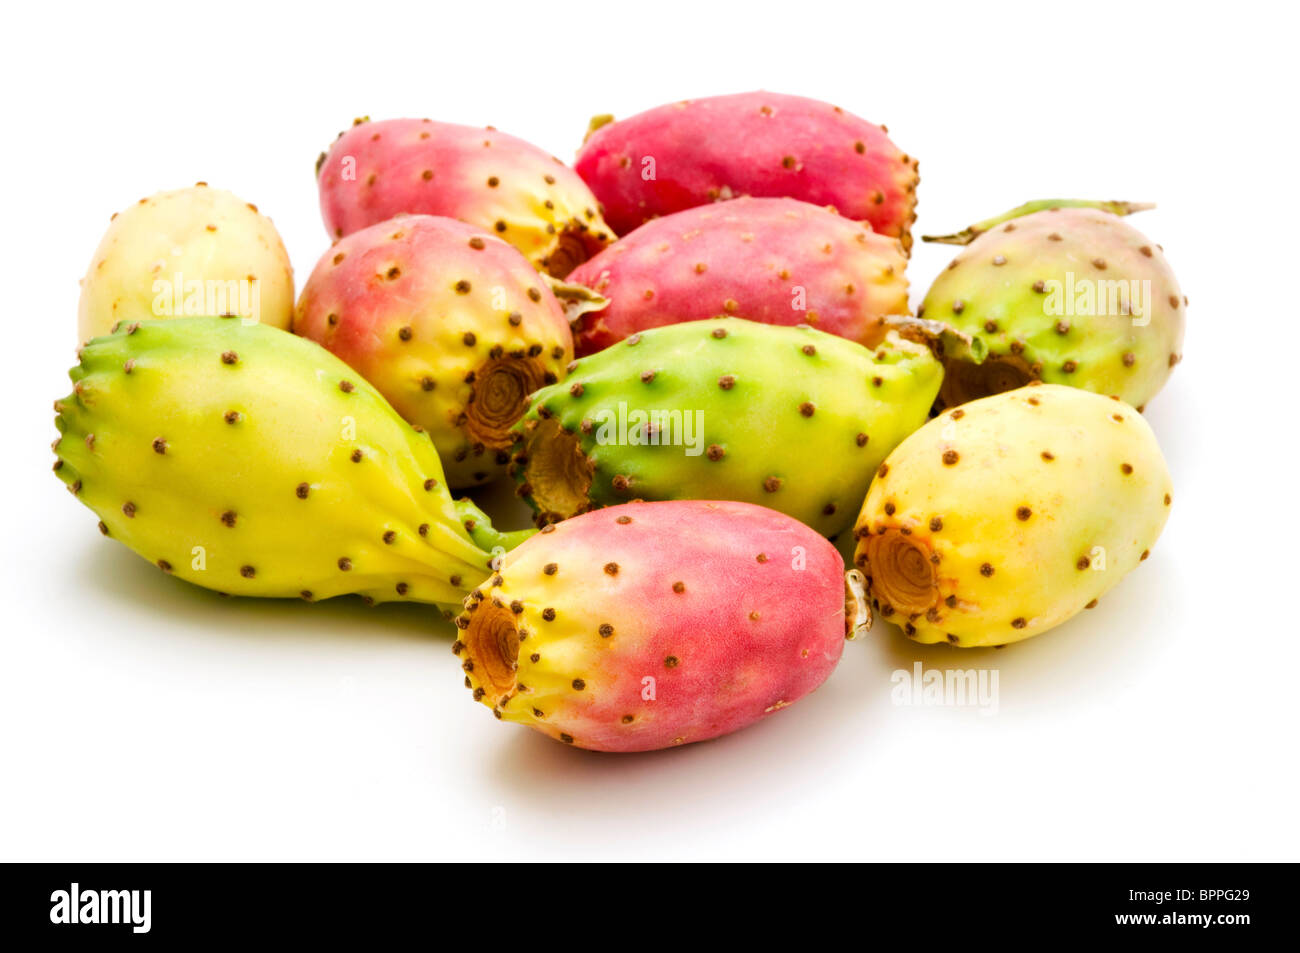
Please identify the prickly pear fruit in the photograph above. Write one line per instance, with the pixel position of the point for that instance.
(699, 151)
(1004, 517)
(649, 625)
(726, 409)
(778, 261)
(450, 324)
(376, 170)
(251, 461)
(1065, 292)
(186, 253)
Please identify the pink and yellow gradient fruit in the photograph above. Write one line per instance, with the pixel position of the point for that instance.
(649, 625)
(451, 324)
(376, 170)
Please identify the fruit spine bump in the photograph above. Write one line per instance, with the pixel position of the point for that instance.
(377, 170)
(772, 260)
(699, 151)
(788, 418)
(186, 253)
(1008, 515)
(1063, 291)
(250, 461)
(451, 324)
(652, 625)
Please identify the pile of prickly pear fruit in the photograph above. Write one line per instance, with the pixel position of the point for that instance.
(693, 356)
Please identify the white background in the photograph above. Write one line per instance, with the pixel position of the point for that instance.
(144, 719)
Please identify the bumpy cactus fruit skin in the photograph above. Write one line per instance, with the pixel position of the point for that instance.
(250, 461)
(650, 625)
(1065, 292)
(726, 409)
(699, 151)
(451, 324)
(1006, 516)
(777, 261)
(184, 253)
(376, 170)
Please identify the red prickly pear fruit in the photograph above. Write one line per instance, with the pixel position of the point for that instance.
(377, 170)
(649, 625)
(451, 324)
(775, 261)
(699, 151)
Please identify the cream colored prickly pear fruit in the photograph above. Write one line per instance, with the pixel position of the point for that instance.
(196, 252)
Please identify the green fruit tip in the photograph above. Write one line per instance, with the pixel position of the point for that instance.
(604, 119)
(967, 235)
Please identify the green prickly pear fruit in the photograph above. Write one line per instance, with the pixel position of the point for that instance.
(1004, 517)
(251, 461)
(724, 409)
(1063, 291)
(486, 536)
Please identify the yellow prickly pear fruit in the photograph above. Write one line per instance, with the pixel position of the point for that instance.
(251, 461)
(1004, 517)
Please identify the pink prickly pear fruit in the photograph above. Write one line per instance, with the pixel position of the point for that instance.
(451, 324)
(771, 260)
(377, 170)
(699, 151)
(649, 625)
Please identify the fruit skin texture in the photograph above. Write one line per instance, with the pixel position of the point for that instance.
(1011, 287)
(1004, 517)
(250, 461)
(650, 625)
(777, 261)
(452, 325)
(788, 418)
(762, 144)
(201, 234)
(376, 170)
